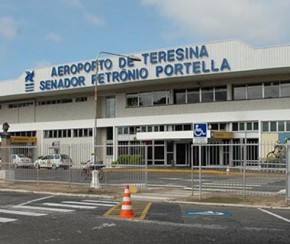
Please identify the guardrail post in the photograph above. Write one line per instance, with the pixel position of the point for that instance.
(287, 172)
(199, 170)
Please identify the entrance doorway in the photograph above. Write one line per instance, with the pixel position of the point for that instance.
(182, 154)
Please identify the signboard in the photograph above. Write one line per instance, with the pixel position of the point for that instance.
(200, 133)
(222, 134)
(23, 139)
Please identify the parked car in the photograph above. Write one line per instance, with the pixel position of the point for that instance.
(53, 161)
(20, 160)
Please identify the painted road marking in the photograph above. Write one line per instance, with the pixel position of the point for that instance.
(68, 205)
(275, 215)
(140, 209)
(89, 203)
(99, 201)
(208, 213)
(25, 213)
(45, 209)
(5, 220)
(35, 200)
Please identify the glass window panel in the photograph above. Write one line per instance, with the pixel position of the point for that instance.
(120, 130)
(145, 99)
(178, 127)
(273, 126)
(193, 95)
(214, 126)
(287, 125)
(131, 130)
(159, 152)
(109, 133)
(240, 92)
(111, 107)
(160, 97)
(265, 126)
(179, 96)
(187, 127)
(281, 126)
(256, 126)
(207, 94)
(223, 126)
(255, 91)
(242, 126)
(132, 100)
(235, 127)
(220, 93)
(271, 89)
(285, 89)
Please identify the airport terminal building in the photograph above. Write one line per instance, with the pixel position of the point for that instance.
(241, 92)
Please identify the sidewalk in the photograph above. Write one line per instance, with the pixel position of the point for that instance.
(154, 194)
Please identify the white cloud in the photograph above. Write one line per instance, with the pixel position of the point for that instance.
(8, 27)
(256, 21)
(54, 37)
(95, 20)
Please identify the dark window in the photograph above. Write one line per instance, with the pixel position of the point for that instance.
(220, 93)
(145, 99)
(255, 91)
(109, 133)
(207, 94)
(132, 100)
(285, 89)
(160, 97)
(271, 89)
(179, 96)
(193, 95)
(240, 92)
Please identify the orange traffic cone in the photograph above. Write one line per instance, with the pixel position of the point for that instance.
(126, 210)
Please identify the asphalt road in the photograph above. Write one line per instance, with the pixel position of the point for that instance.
(35, 218)
(254, 182)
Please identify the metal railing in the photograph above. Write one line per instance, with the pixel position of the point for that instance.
(240, 169)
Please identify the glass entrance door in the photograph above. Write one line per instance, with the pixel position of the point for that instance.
(181, 154)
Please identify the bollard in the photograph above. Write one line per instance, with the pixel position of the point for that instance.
(95, 179)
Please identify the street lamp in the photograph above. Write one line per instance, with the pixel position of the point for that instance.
(130, 57)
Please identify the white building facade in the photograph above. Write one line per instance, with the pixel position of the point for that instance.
(241, 92)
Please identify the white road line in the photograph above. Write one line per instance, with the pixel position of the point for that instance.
(68, 205)
(35, 200)
(90, 204)
(99, 201)
(5, 220)
(275, 215)
(46, 209)
(25, 213)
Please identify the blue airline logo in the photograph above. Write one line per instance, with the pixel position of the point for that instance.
(29, 82)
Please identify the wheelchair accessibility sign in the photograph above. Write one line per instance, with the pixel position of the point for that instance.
(200, 133)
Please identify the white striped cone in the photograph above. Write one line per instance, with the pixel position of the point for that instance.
(126, 209)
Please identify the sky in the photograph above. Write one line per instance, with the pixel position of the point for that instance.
(37, 33)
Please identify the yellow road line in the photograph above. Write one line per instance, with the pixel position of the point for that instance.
(140, 209)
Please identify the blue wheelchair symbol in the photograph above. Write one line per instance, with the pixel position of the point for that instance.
(200, 130)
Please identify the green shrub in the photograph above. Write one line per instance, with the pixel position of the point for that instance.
(129, 159)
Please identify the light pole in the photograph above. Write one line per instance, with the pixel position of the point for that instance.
(130, 57)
